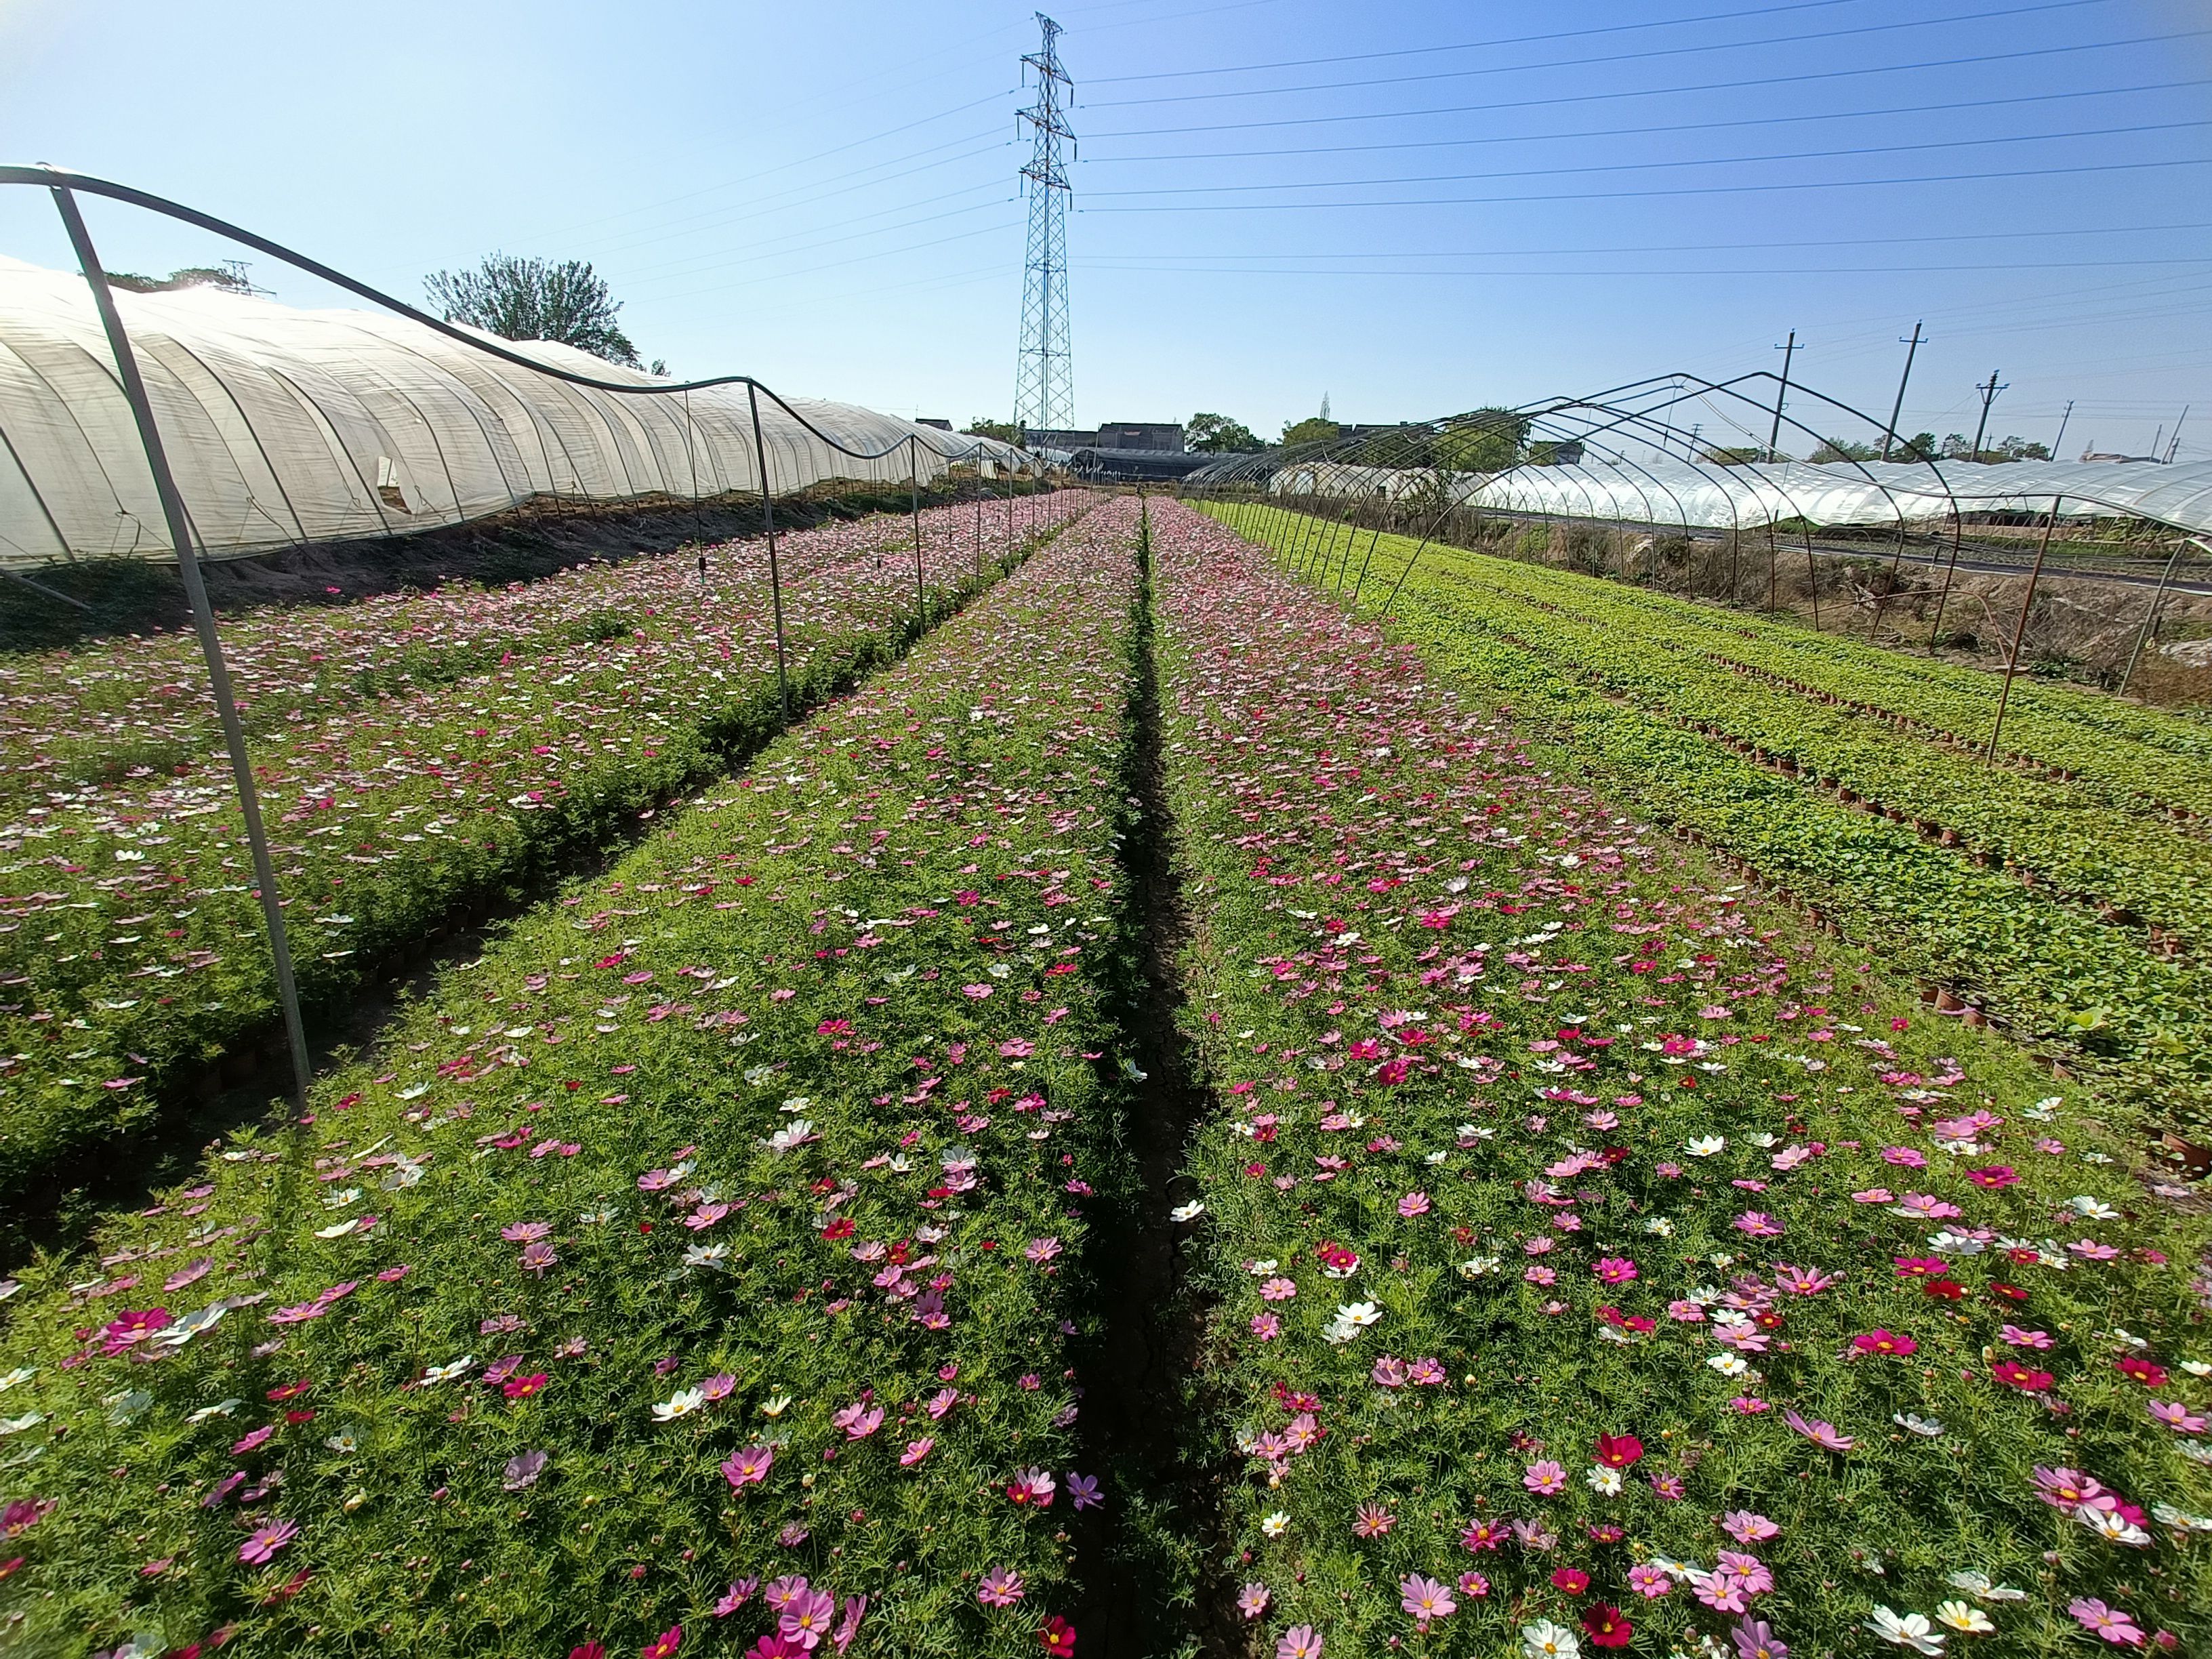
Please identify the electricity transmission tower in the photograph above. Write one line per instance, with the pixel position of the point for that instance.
(1044, 384)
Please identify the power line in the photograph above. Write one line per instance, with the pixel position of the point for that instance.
(667, 272)
(1759, 80)
(1826, 242)
(1647, 167)
(1685, 189)
(1976, 103)
(1471, 45)
(2008, 13)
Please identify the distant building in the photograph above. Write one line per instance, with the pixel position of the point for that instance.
(926, 420)
(1161, 437)
(1112, 465)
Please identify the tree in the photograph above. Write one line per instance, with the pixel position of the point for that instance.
(1742, 456)
(520, 299)
(982, 426)
(1482, 441)
(1842, 449)
(1920, 447)
(1216, 434)
(190, 276)
(1313, 429)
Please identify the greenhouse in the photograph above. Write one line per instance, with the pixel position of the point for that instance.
(286, 426)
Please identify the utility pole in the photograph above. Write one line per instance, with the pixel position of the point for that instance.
(1781, 393)
(1989, 396)
(2057, 444)
(1044, 393)
(1889, 437)
(2174, 443)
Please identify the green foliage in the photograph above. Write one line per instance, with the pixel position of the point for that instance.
(533, 299)
(817, 1058)
(1843, 449)
(1572, 1096)
(982, 426)
(217, 276)
(1482, 441)
(1313, 429)
(1216, 434)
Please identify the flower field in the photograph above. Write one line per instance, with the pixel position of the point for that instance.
(2063, 891)
(695, 1269)
(1596, 1263)
(131, 949)
(1578, 1246)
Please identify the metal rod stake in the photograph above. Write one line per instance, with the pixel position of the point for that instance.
(2019, 630)
(188, 567)
(775, 570)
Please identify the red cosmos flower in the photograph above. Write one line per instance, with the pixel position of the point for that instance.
(2012, 1371)
(1997, 1175)
(588, 1650)
(1619, 1451)
(521, 1387)
(1573, 1580)
(1920, 1266)
(1606, 1628)
(2009, 1292)
(665, 1643)
(1882, 1341)
(2023, 1257)
(1944, 1289)
(291, 1390)
(840, 1228)
(1058, 1635)
(2150, 1376)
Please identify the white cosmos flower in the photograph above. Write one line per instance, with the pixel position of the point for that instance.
(2111, 1525)
(185, 1329)
(2092, 1209)
(1358, 1315)
(775, 1405)
(21, 1425)
(1929, 1428)
(2197, 1368)
(1605, 1482)
(129, 1407)
(789, 1136)
(1977, 1584)
(706, 1256)
(446, 1373)
(1546, 1640)
(343, 1444)
(2181, 1520)
(1907, 1630)
(1277, 1524)
(19, 1375)
(1661, 1225)
(682, 1403)
(1705, 1145)
(1189, 1212)
(339, 1230)
(1475, 1265)
(1730, 1364)
(220, 1408)
(1961, 1616)
(1261, 1269)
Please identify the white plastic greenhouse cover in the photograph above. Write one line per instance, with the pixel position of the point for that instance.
(1671, 492)
(285, 426)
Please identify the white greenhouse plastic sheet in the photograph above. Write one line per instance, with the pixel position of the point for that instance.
(1663, 492)
(286, 426)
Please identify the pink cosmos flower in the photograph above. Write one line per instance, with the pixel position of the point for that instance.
(1412, 1205)
(1669, 1487)
(1266, 1327)
(1545, 1478)
(1649, 1581)
(1571, 1580)
(1824, 1435)
(2176, 1416)
(1904, 1156)
(1747, 1527)
(740, 1592)
(2115, 1626)
(915, 1451)
(857, 1420)
(1614, 1270)
(1759, 1225)
(785, 1591)
(752, 1464)
(1881, 1341)
(1373, 1520)
(2019, 1376)
(1486, 1534)
(1299, 1641)
(266, 1541)
(1474, 1586)
(1041, 1251)
(2021, 1339)
(1539, 1275)
(1252, 1600)
(1278, 1289)
(1755, 1639)
(1425, 1599)
(806, 1618)
(1427, 1373)
(1001, 1588)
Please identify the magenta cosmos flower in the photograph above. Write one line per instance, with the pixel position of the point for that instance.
(750, 1465)
(1001, 1588)
(267, 1540)
(1299, 1641)
(1546, 1477)
(1425, 1599)
(1614, 1270)
(2110, 1623)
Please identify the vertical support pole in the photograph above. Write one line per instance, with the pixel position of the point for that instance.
(2019, 630)
(1361, 580)
(1958, 532)
(979, 513)
(774, 570)
(188, 568)
(914, 506)
(1773, 565)
(2151, 616)
(1881, 599)
(1812, 571)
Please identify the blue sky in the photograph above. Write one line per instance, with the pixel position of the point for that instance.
(1415, 207)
